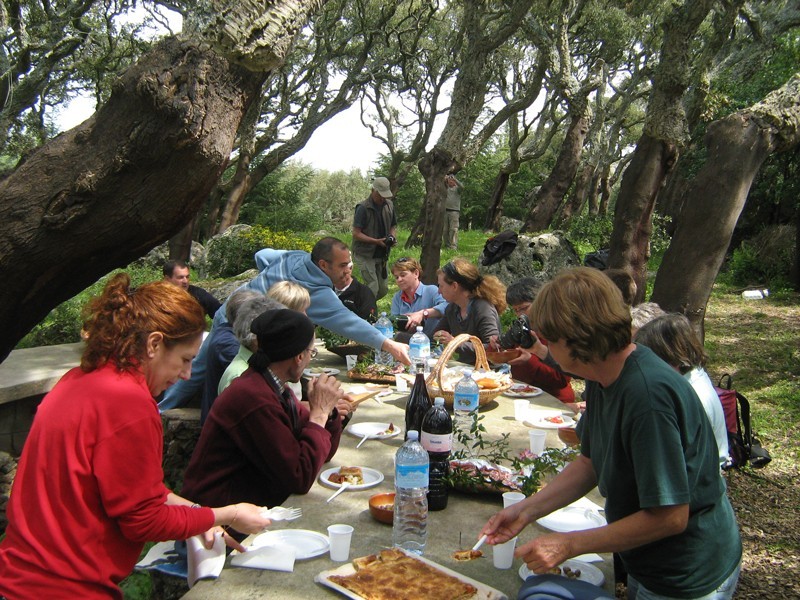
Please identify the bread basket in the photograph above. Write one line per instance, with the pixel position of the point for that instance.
(434, 380)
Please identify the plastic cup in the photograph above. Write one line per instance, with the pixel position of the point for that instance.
(521, 409)
(401, 383)
(351, 359)
(339, 537)
(537, 439)
(503, 554)
(510, 498)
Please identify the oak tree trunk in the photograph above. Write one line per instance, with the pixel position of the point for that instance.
(119, 184)
(433, 166)
(737, 147)
(496, 201)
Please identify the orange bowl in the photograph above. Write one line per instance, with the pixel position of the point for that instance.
(569, 436)
(381, 507)
(503, 356)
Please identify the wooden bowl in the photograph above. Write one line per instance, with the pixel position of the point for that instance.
(381, 507)
(503, 356)
(569, 436)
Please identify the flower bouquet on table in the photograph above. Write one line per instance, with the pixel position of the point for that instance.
(490, 466)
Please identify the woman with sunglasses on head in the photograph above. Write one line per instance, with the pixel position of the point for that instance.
(475, 304)
(89, 488)
(421, 303)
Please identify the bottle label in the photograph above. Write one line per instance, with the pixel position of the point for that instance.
(412, 476)
(465, 401)
(420, 349)
(437, 442)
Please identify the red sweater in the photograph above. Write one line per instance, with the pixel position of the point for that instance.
(89, 491)
(551, 380)
(248, 451)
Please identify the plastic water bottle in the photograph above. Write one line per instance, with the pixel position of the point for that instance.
(419, 349)
(755, 294)
(466, 397)
(437, 439)
(384, 325)
(410, 525)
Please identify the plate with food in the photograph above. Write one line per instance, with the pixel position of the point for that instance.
(359, 478)
(550, 421)
(572, 518)
(375, 373)
(522, 390)
(373, 430)
(571, 569)
(382, 575)
(306, 543)
(317, 371)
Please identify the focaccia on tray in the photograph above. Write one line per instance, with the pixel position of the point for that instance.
(393, 575)
(351, 475)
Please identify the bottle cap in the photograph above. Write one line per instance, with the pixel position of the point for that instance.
(419, 328)
(413, 434)
(439, 401)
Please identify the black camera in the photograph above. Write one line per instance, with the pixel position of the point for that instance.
(518, 334)
(390, 241)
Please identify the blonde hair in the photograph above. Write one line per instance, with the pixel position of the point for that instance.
(487, 287)
(292, 295)
(584, 308)
(407, 264)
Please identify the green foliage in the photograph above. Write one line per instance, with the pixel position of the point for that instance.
(277, 201)
(590, 232)
(63, 324)
(229, 255)
(748, 266)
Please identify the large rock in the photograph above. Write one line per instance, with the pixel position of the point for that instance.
(540, 257)
(160, 254)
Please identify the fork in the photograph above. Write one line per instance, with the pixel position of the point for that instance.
(280, 513)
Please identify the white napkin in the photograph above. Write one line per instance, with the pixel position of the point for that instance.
(274, 558)
(204, 563)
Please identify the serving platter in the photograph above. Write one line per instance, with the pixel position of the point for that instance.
(372, 477)
(484, 592)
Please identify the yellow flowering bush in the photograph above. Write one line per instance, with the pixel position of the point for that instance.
(232, 253)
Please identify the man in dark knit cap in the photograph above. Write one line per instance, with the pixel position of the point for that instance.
(259, 444)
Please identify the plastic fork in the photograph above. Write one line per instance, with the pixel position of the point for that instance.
(280, 513)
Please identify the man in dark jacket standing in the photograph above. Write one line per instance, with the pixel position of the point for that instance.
(374, 229)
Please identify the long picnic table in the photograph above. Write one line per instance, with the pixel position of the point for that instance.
(454, 528)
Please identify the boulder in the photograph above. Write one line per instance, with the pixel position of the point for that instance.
(540, 257)
(160, 254)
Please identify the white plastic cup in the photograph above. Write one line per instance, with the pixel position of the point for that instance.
(511, 498)
(521, 409)
(339, 537)
(503, 554)
(401, 383)
(351, 359)
(538, 437)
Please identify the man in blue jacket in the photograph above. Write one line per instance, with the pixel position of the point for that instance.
(328, 266)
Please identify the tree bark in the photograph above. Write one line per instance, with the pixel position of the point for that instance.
(555, 187)
(433, 166)
(737, 147)
(496, 201)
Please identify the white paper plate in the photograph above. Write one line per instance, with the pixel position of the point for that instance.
(372, 478)
(572, 518)
(522, 390)
(317, 371)
(372, 430)
(543, 423)
(484, 592)
(589, 573)
(306, 544)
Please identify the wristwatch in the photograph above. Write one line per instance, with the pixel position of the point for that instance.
(425, 314)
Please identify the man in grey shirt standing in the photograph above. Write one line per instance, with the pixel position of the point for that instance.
(452, 210)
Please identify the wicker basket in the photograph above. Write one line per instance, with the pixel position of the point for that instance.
(434, 380)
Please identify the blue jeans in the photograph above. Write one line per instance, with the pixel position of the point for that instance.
(636, 591)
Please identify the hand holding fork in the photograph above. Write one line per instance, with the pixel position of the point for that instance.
(280, 513)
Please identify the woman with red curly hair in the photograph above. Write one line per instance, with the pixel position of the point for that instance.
(89, 489)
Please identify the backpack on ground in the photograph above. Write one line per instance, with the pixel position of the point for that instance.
(743, 446)
(498, 247)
